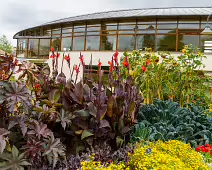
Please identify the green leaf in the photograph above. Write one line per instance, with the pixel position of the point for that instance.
(54, 95)
(119, 141)
(86, 134)
(84, 114)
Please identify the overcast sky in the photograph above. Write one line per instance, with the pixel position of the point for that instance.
(16, 15)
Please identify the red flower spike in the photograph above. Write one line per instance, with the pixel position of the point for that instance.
(99, 64)
(58, 55)
(116, 57)
(125, 63)
(143, 68)
(76, 68)
(67, 58)
(52, 49)
(82, 60)
(37, 86)
(111, 66)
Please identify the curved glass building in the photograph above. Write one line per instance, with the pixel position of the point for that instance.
(164, 29)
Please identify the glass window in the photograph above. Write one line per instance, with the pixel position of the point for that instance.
(33, 47)
(126, 42)
(127, 27)
(206, 43)
(44, 47)
(111, 26)
(189, 24)
(93, 33)
(47, 32)
(56, 43)
(93, 28)
(92, 42)
(79, 29)
(187, 39)
(38, 32)
(108, 42)
(166, 31)
(66, 32)
(167, 26)
(56, 31)
(22, 48)
(127, 32)
(146, 41)
(66, 44)
(204, 23)
(147, 27)
(78, 43)
(166, 43)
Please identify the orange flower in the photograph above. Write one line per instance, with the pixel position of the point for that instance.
(111, 66)
(148, 62)
(82, 59)
(125, 62)
(143, 68)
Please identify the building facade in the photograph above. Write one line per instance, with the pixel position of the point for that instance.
(100, 34)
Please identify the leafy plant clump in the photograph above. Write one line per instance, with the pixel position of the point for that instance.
(45, 116)
(166, 120)
(164, 76)
(160, 155)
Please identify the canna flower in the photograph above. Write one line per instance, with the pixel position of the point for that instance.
(53, 56)
(37, 86)
(99, 64)
(143, 68)
(58, 55)
(125, 62)
(82, 59)
(111, 66)
(52, 49)
(76, 68)
(116, 57)
(67, 58)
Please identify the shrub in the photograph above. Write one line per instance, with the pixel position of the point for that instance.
(160, 155)
(166, 120)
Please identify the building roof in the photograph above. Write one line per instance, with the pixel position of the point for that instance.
(130, 13)
(177, 11)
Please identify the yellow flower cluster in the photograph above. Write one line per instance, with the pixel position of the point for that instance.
(166, 155)
(171, 155)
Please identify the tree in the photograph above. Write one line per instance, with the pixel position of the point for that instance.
(5, 45)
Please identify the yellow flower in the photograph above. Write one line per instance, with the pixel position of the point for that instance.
(184, 50)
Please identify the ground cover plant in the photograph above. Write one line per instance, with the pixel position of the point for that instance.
(50, 122)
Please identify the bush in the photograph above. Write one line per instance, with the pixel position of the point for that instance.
(160, 155)
(166, 120)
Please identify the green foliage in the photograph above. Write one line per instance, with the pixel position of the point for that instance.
(13, 161)
(164, 76)
(3, 139)
(5, 45)
(166, 120)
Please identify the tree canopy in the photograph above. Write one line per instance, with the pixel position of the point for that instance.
(5, 45)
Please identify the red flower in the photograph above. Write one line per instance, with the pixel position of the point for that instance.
(53, 56)
(76, 68)
(111, 66)
(204, 149)
(198, 149)
(37, 86)
(52, 49)
(125, 62)
(99, 64)
(67, 58)
(110, 160)
(148, 62)
(116, 57)
(82, 59)
(208, 145)
(211, 152)
(58, 55)
(143, 68)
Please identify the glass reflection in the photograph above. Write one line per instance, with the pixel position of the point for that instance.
(166, 43)
(33, 48)
(92, 42)
(66, 44)
(126, 43)
(78, 43)
(44, 47)
(187, 39)
(56, 43)
(22, 48)
(108, 42)
(146, 41)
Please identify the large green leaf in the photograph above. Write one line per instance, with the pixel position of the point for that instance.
(54, 95)
(86, 134)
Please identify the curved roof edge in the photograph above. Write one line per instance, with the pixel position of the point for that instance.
(143, 12)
